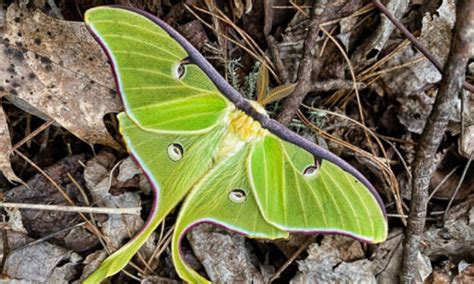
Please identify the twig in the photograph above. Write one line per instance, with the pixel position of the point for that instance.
(6, 249)
(279, 66)
(292, 258)
(423, 166)
(415, 41)
(268, 18)
(33, 134)
(336, 84)
(298, 8)
(161, 245)
(83, 209)
(94, 229)
(392, 253)
(397, 216)
(50, 236)
(292, 103)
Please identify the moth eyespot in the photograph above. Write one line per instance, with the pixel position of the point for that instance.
(237, 196)
(175, 152)
(310, 171)
(179, 70)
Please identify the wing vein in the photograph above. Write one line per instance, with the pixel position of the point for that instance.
(164, 75)
(343, 193)
(159, 33)
(298, 189)
(119, 51)
(141, 41)
(174, 101)
(320, 204)
(335, 204)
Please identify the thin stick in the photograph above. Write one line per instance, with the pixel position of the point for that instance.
(94, 229)
(82, 209)
(394, 68)
(291, 259)
(433, 133)
(397, 216)
(279, 66)
(305, 69)
(45, 238)
(33, 134)
(161, 245)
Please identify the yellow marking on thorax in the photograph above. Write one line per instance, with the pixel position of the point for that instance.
(242, 129)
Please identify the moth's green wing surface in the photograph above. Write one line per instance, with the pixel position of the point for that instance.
(159, 94)
(176, 178)
(329, 200)
(211, 201)
(168, 103)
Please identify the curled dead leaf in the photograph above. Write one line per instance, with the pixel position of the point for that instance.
(38, 263)
(6, 149)
(54, 69)
(262, 83)
(278, 93)
(466, 142)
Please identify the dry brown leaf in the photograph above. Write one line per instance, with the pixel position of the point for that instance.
(466, 275)
(39, 263)
(223, 255)
(367, 52)
(455, 238)
(238, 10)
(387, 257)
(55, 69)
(409, 85)
(466, 142)
(436, 36)
(6, 149)
(97, 175)
(91, 263)
(39, 190)
(279, 93)
(336, 259)
(262, 83)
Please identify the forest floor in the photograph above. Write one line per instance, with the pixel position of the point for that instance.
(362, 89)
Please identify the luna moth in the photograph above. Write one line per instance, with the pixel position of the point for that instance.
(201, 143)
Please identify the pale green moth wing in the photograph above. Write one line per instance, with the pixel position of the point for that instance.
(223, 196)
(177, 128)
(160, 92)
(173, 164)
(295, 194)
